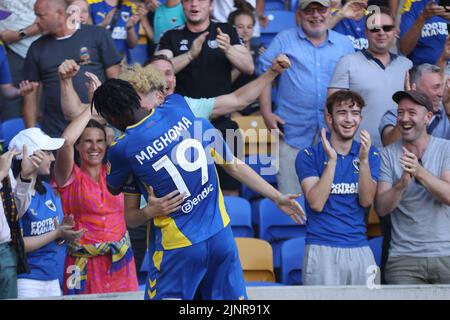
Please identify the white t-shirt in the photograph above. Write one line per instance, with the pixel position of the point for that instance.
(222, 8)
(22, 16)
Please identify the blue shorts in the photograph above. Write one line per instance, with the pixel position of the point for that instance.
(209, 270)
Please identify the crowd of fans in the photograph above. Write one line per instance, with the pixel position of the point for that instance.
(361, 107)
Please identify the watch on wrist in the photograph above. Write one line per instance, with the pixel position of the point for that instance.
(22, 34)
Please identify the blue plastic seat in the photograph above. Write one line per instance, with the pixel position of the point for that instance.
(376, 245)
(138, 54)
(10, 128)
(274, 4)
(291, 254)
(240, 214)
(278, 20)
(275, 227)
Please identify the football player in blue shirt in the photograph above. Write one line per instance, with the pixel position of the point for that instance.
(193, 250)
(339, 177)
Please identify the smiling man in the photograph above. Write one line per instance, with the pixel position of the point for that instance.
(374, 73)
(339, 177)
(314, 52)
(414, 189)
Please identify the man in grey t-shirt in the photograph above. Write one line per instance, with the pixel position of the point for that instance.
(414, 188)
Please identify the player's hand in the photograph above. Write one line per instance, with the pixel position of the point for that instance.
(291, 207)
(26, 87)
(68, 69)
(280, 63)
(223, 40)
(30, 164)
(366, 142)
(5, 162)
(330, 152)
(162, 206)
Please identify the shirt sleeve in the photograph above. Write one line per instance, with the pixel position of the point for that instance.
(219, 149)
(341, 75)
(117, 167)
(388, 119)
(201, 108)
(5, 74)
(374, 163)
(305, 164)
(108, 52)
(446, 166)
(386, 172)
(408, 18)
(22, 196)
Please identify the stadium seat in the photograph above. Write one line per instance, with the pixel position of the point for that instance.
(274, 5)
(10, 128)
(278, 20)
(291, 255)
(240, 214)
(293, 5)
(139, 54)
(275, 226)
(376, 245)
(256, 259)
(264, 166)
(255, 137)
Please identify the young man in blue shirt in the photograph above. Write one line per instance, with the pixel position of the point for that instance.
(339, 177)
(192, 248)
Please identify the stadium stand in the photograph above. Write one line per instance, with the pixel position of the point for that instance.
(256, 259)
(240, 214)
(291, 266)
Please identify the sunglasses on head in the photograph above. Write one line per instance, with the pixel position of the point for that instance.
(386, 28)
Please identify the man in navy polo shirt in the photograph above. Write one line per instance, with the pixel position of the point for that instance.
(339, 178)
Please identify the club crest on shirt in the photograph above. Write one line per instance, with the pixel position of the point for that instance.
(174, 20)
(33, 212)
(355, 163)
(125, 15)
(213, 44)
(50, 205)
(183, 45)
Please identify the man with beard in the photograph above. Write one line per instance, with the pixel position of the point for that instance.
(414, 189)
(339, 178)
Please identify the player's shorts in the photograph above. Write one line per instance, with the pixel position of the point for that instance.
(209, 270)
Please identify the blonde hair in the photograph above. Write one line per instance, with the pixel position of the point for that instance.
(144, 79)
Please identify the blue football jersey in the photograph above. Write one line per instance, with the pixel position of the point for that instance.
(171, 150)
(42, 216)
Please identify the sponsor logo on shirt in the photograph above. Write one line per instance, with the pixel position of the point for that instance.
(434, 29)
(189, 205)
(42, 227)
(344, 188)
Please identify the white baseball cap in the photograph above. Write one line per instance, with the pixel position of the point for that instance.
(35, 139)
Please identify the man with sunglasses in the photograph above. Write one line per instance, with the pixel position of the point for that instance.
(375, 73)
(314, 51)
(414, 190)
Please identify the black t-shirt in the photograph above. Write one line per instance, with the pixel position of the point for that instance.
(209, 75)
(92, 45)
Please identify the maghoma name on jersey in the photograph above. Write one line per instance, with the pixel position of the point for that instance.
(161, 151)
